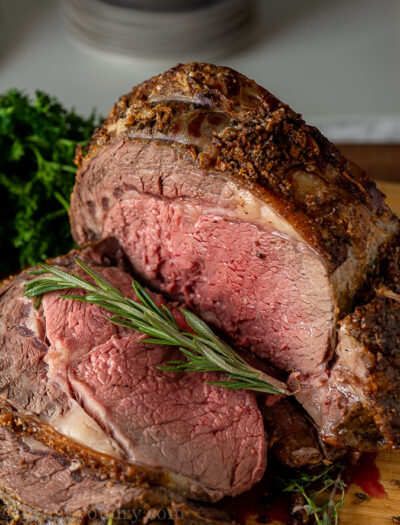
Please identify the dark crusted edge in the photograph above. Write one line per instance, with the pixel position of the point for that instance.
(261, 147)
(375, 324)
(107, 468)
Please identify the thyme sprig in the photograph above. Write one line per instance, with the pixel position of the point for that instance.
(203, 350)
(323, 493)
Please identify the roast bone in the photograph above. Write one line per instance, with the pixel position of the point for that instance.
(224, 199)
(360, 392)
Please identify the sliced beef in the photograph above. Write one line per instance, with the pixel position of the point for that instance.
(223, 198)
(41, 486)
(178, 423)
(52, 484)
(72, 372)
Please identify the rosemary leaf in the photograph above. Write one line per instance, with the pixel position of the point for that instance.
(203, 350)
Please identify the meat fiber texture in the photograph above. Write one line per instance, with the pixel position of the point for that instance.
(91, 391)
(224, 199)
(39, 485)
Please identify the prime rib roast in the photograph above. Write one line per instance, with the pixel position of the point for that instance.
(224, 199)
(219, 197)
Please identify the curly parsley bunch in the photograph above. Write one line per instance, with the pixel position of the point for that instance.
(37, 146)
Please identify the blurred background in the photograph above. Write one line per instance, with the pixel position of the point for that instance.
(335, 61)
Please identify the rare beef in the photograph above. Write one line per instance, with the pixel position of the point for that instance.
(92, 389)
(224, 199)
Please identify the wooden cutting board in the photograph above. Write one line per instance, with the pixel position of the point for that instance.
(376, 511)
(379, 511)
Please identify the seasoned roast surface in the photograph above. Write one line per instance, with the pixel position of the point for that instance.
(226, 126)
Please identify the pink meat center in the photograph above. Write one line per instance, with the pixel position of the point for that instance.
(178, 422)
(268, 292)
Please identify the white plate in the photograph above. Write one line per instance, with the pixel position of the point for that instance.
(212, 30)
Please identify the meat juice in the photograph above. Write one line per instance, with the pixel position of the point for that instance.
(266, 505)
(366, 475)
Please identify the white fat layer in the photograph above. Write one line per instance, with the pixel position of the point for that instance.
(79, 426)
(252, 209)
(248, 208)
(32, 321)
(34, 444)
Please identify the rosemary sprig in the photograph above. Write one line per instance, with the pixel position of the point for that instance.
(322, 492)
(203, 350)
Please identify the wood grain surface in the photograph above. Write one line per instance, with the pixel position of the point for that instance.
(392, 192)
(379, 511)
(380, 161)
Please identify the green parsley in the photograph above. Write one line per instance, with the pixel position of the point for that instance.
(38, 139)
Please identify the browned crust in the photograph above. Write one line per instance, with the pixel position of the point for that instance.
(389, 270)
(260, 142)
(376, 325)
(358, 431)
(106, 466)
